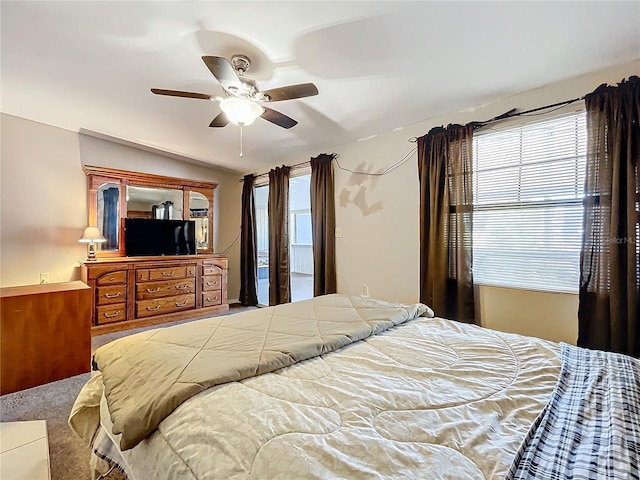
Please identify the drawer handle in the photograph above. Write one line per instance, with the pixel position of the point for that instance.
(214, 299)
(182, 287)
(154, 290)
(165, 274)
(182, 304)
(115, 314)
(111, 279)
(212, 283)
(106, 295)
(151, 309)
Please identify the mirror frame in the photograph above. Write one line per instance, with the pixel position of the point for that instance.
(97, 176)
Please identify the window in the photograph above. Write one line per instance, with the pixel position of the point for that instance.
(528, 191)
(301, 228)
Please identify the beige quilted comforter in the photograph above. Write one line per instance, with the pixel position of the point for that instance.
(147, 375)
(430, 399)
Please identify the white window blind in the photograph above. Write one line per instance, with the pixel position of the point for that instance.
(528, 191)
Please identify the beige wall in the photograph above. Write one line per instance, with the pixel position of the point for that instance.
(43, 198)
(229, 203)
(552, 316)
(42, 205)
(379, 218)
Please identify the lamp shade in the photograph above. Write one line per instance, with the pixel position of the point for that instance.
(240, 111)
(92, 235)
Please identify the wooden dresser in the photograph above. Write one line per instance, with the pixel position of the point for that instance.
(131, 292)
(44, 334)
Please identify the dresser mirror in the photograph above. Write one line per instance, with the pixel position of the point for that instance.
(199, 212)
(114, 195)
(150, 202)
(108, 199)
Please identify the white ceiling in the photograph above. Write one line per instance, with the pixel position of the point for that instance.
(89, 66)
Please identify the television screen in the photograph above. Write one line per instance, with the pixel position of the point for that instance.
(150, 236)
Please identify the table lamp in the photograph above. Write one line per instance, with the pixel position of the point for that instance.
(92, 235)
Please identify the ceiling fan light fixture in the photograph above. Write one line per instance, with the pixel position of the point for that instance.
(240, 111)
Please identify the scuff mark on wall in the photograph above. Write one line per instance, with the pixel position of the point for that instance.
(360, 202)
(358, 183)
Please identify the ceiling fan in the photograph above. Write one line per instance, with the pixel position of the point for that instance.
(241, 104)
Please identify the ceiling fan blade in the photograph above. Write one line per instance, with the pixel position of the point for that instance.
(220, 121)
(178, 93)
(292, 91)
(278, 118)
(223, 71)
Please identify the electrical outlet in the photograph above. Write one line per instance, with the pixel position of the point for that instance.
(44, 277)
(365, 290)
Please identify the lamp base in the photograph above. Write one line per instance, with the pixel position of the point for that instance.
(91, 256)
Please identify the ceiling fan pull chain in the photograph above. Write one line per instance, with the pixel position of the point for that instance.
(241, 154)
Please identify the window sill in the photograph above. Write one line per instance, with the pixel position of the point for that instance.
(527, 289)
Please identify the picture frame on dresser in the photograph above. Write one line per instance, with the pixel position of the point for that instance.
(137, 291)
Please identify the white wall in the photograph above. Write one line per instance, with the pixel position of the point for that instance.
(379, 218)
(43, 198)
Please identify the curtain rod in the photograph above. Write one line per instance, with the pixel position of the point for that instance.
(301, 164)
(511, 114)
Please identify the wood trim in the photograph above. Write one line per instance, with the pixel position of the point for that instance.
(186, 211)
(145, 179)
(122, 211)
(131, 295)
(162, 260)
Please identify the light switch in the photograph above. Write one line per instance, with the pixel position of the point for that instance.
(338, 232)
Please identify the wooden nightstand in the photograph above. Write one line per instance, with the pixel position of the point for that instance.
(45, 334)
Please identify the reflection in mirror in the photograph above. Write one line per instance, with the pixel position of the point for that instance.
(107, 213)
(147, 202)
(199, 211)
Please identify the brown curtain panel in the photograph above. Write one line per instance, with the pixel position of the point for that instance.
(323, 225)
(446, 216)
(248, 242)
(278, 209)
(609, 305)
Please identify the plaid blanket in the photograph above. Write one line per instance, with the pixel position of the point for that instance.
(591, 427)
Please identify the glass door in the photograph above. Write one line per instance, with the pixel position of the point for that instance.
(261, 195)
(300, 240)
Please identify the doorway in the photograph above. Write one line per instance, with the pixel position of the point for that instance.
(300, 240)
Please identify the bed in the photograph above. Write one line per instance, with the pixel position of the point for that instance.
(351, 388)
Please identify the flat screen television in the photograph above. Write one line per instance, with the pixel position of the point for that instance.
(150, 236)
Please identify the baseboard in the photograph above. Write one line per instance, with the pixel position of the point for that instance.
(231, 301)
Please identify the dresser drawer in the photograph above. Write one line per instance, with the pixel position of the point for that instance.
(148, 308)
(112, 278)
(210, 299)
(220, 262)
(212, 282)
(111, 313)
(165, 273)
(168, 288)
(109, 295)
(211, 270)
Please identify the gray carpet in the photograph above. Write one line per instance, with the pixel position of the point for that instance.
(52, 402)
